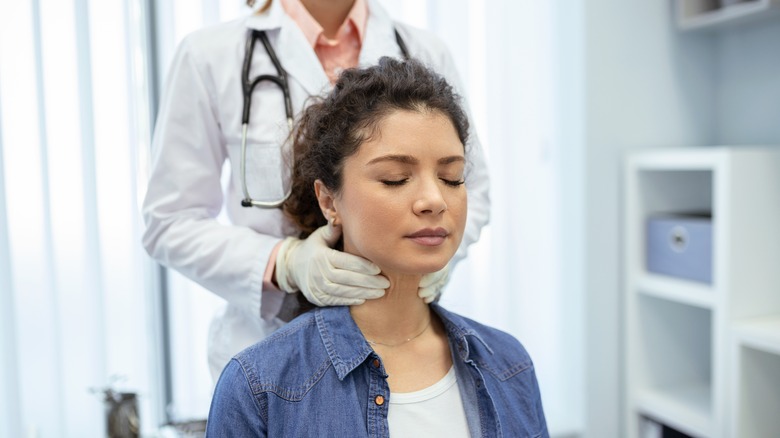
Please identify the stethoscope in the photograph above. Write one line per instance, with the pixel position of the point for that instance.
(282, 82)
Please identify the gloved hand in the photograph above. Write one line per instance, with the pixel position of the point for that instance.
(325, 276)
(431, 285)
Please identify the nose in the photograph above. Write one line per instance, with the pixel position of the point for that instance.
(430, 200)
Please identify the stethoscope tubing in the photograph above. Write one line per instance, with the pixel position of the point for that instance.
(282, 82)
(248, 88)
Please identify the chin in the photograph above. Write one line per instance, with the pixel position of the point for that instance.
(408, 261)
(420, 266)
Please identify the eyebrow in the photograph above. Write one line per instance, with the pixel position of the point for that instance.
(408, 159)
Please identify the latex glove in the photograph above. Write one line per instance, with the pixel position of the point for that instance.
(431, 285)
(325, 276)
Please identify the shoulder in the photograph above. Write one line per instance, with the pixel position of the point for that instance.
(288, 362)
(423, 39)
(425, 46)
(214, 42)
(496, 350)
(431, 51)
(268, 351)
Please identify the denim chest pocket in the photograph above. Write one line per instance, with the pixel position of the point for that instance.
(291, 386)
(503, 372)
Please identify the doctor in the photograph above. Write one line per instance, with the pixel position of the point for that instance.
(255, 261)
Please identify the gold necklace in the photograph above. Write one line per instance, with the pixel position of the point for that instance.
(402, 342)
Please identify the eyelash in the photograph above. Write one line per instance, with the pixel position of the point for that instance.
(401, 182)
(395, 183)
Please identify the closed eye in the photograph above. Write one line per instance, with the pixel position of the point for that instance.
(454, 183)
(398, 182)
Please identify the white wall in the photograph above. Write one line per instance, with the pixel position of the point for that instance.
(645, 86)
(648, 85)
(748, 84)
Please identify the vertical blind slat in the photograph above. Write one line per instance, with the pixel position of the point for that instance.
(9, 388)
(69, 220)
(29, 232)
(115, 141)
(74, 294)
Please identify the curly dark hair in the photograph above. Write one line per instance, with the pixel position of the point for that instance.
(333, 128)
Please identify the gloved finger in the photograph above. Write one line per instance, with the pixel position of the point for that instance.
(350, 262)
(432, 278)
(328, 234)
(428, 295)
(343, 277)
(363, 293)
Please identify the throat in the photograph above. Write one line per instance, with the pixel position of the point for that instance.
(399, 317)
(419, 363)
(330, 14)
(402, 342)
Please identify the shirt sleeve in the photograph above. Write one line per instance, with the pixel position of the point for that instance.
(184, 194)
(234, 410)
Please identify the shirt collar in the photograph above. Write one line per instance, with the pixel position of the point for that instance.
(343, 340)
(273, 18)
(358, 16)
(347, 348)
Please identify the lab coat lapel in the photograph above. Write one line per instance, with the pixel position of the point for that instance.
(299, 59)
(379, 40)
(295, 54)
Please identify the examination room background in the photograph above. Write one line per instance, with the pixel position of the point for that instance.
(560, 90)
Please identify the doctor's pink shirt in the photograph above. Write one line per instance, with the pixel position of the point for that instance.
(335, 55)
(343, 50)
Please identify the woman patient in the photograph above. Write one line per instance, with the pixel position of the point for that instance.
(382, 157)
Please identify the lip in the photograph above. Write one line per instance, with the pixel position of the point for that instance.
(429, 236)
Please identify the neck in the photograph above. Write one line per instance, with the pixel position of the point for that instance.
(399, 315)
(330, 14)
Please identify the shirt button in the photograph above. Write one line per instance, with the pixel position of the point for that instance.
(375, 363)
(379, 400)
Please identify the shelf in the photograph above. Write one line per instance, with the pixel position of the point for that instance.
(678, 159)
(672, 344)
(673, 192)
(687, 408)
(760, 333)
(677, 290)
(704, 358)
(758, 400)
(700, 15)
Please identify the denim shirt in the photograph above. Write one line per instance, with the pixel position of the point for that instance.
(318, 377)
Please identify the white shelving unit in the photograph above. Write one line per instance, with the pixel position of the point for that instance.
(692, 349)
(756, 378)
(716, 14)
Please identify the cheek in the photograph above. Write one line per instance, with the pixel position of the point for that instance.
(367, 227)
(380, 216)
(458, 207)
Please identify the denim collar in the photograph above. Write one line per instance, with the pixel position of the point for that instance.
(348, 348)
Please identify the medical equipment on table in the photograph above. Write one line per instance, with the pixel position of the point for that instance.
(282, 82)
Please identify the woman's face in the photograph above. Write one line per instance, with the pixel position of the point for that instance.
(403, 202)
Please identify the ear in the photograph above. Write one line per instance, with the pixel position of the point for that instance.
(326, 200)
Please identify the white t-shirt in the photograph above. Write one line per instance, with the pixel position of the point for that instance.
(436, 411)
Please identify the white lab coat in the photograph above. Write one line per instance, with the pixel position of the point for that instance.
(199, 127)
